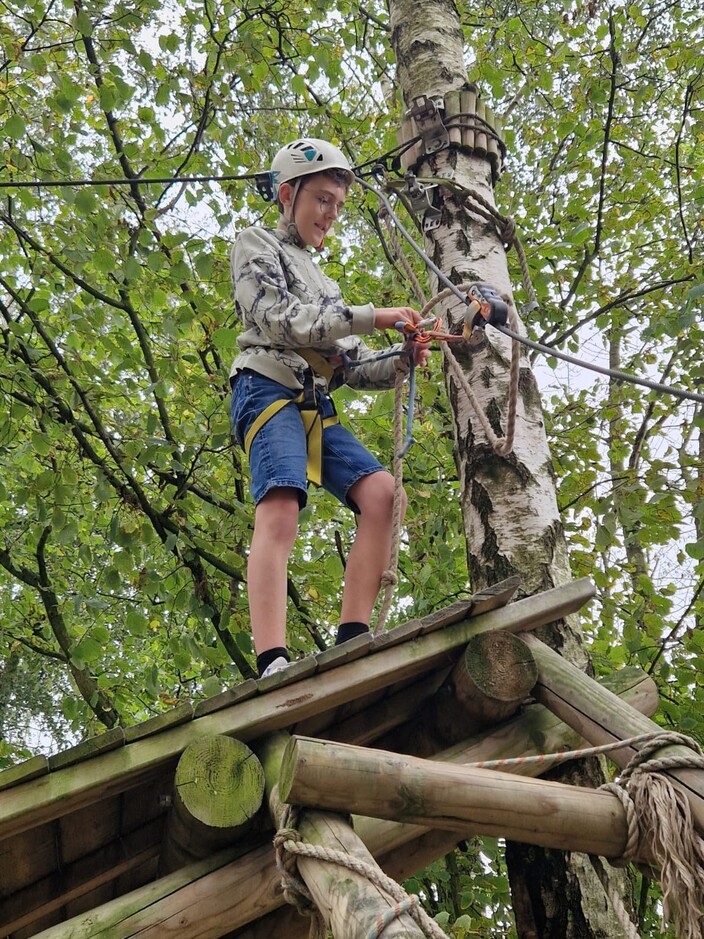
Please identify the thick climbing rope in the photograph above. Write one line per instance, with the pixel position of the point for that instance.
(389, 578)
(290, 846)
(501, 445)
(658, 819)
(662, 818)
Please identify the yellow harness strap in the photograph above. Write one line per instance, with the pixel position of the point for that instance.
(313, 425)
(318, 363)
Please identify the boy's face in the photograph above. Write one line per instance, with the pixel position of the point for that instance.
(318, 203)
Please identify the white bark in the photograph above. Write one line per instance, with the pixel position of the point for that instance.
(509, 503)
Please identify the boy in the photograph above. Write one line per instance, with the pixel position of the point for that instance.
(297, 331)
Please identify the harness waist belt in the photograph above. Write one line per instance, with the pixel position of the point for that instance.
(313, 425)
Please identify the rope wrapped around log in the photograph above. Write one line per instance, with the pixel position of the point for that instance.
(289, 845)
(660, 826)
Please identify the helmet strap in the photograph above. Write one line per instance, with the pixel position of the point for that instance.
(292, 228)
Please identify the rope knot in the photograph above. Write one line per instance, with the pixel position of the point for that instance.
(389, 578)
(508, 232)
(659, 817)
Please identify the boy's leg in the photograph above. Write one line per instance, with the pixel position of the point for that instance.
(275, 529)
(371, 552)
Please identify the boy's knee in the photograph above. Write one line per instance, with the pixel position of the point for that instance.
(276, 515)
(376, 495)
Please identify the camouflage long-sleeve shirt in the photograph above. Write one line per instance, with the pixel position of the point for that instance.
(286, 303)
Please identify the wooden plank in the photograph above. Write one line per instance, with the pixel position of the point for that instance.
(454, 613)
(601, 717)
(303, 668)
(38, 900)
(346, 652)
(88, 829)
(23, 772)
(193, 902)
(325, 775)
(87, 749)
(495, 596)
(181, 714)
(397, 635)
(40, 800)
(246, 689)
(395, 709)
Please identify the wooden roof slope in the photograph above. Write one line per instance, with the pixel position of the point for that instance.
(85, 825)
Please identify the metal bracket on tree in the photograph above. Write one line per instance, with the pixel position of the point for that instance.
(426, 112)
(422, 199)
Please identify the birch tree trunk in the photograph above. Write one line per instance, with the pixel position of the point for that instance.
(509, 503)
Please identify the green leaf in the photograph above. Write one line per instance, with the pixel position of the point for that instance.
(225, 338)
(204, 266)
(41, 443)
(14, 128)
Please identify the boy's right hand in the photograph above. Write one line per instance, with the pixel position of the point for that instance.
(387, 317)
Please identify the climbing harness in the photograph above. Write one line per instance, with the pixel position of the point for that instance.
(313, 424)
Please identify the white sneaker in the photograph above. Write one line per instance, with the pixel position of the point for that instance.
(278, 665)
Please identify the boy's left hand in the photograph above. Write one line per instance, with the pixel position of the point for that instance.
(421, 353)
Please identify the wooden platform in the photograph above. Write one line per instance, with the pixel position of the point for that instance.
(85, 826)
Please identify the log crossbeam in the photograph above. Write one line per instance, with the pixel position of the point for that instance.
(601, 717)
(381, 784)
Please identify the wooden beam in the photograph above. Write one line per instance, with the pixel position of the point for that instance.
(377, 783)
(32, 903)
(601, 717)
(194, 902)
(349, 902)
(218, 790)
(493, 676)
(44, 799)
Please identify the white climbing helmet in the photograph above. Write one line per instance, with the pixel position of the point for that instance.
(304, 157)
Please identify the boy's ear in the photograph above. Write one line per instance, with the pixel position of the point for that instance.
(285, 193)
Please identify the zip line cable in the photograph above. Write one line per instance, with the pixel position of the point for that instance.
(396, 152)
(122, 181)
(530, 343)
(545, 350)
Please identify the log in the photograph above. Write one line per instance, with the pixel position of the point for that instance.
(601, 717)
(494, 675)
(56, 794)
(218, 791)
(480, 137)
(380, 784)
(348, 901)
(228, 891)
(468, 103)
(452, 109)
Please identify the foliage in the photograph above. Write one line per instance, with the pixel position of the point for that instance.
(124, 508)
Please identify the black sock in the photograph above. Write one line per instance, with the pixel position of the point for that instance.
(346, 631)
(264, 659)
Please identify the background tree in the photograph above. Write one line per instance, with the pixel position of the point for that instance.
(123, 507)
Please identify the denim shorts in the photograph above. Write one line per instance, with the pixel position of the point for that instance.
(278, 454)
